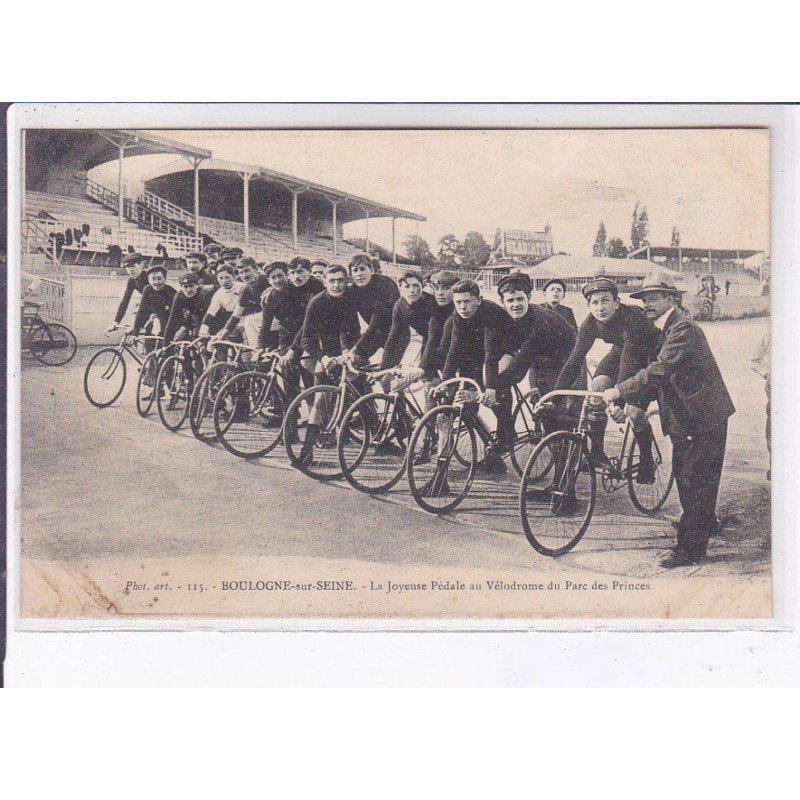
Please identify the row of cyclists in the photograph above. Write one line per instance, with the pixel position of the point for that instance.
(324, 317)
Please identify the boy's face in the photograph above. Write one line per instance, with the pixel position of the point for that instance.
(225, 279)
(411, 290)
(134, 270)
(298, 276)
(466, 304)
(336, 283)
(554, 294)
(361, 274)
(516, 303)
(213, 259)
(442, 294)
(318, 271)
(157, 280)
(603, 305)
(194, 264)
(190, 289)
(248, 273)
(277, 279)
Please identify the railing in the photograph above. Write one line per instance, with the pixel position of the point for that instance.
(163, 206)
(143, 215)
(53, 293)
(103, 195)
(36, 238)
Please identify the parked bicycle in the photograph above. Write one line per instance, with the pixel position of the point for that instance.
(50, 343)
(559, 483)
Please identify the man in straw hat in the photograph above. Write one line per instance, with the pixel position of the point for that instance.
(694, 405)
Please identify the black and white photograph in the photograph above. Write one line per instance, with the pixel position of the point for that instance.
(398, 374)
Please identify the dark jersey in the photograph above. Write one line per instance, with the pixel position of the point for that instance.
(207, 278)
(405, 317)
(541, 336)
(562, 311)
(374, 302)
(250, 296)
(629, 330)
(137, 284)
(433, 354)
(187, 312)
(154, 302)
(288, 306)
(477, 341)
(329, 326)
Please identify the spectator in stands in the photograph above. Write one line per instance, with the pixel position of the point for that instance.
(727, 288)
(554, 291)
(318, 268)
(68, 237)
(197, 263)
(376, 265)
(77, 235)
(137, 280)
(161, 250)
(115, 256)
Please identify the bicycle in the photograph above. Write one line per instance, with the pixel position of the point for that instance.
(176, 380)
(148, 378)
(709, 310)
(321, 459)
(226, 360)
(374, 436)
(106, 373)
(50, 343)
(249, 409)
(559, 484)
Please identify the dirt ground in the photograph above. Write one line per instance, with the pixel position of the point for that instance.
(122, 519)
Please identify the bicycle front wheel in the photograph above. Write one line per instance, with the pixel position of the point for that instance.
(442, 456)
(248, 414)
(557, 493)
(373, 442)
(104, 377)
(146, 384)
(53, 344)
(649, 497)
(528, 432)
(201, 403)
(172, 392)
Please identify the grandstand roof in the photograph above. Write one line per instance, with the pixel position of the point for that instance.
(351, 206)
(566, 266)
(87, 148)
(692, 252)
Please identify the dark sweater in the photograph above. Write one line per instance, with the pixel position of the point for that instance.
(374, 302)
(187, 312)
(629, 329)
(562, 311)
(433, 354)
(405, 317)
(288, 306)
(133, 285)
(154, 302)
(330, 326)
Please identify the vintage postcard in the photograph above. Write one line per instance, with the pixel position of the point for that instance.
(415, 375)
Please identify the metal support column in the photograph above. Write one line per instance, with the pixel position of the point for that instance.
(120, 198)
(335, 229)
(709, 261)
(680, 261)
(246, 206)
(197, 198)
(366, 235)
(294, 218)
(394, 241)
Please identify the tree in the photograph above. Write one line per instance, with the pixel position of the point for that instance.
(616, 248)
(599, 248)
(644, 228)
(449, 255)
(418, 250)
(636, 239)
(676, 237)
(474, 250)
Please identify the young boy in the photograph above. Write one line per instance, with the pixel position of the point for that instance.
(156, 302)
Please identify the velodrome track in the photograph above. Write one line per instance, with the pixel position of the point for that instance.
(108, 496)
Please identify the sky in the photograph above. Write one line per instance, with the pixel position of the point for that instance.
(712, 184)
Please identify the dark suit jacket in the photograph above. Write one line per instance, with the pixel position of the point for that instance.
(563, 311)
(692, 396)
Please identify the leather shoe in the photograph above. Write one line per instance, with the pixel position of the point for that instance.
(681, 557)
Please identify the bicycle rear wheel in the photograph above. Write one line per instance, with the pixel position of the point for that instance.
(649, 497)
(557, 493)
(146, 384)
(172, 392)
(53, 344)
(248, 414)
(373, 442)
(104, 377)
(313, 448)
(201, 403)
(442, 456)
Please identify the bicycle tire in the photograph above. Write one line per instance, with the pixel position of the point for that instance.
(246, 438)
(528, 432)
(146, 382)
(172, 393)
(433, 483)
(649, 498)
(54, 332)
(546, 502)
(370, 464)
(201, 403)
(105, 365)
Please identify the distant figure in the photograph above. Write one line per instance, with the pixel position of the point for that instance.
(762, 364)
(161, 250)
(114, 255)
(765, 288)
(727, 288)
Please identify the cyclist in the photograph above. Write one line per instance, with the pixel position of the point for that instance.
(413, 310)
(231, 256)
(156, 303)
(374, 297)
(536, 339)
(248, 308)
(635, 342)
(318, 268)
(478, 333)
(198, 264)
(554, 292)
(223, 301)
(330, 329)
(212, 252)
(137, 281)
(188, 309)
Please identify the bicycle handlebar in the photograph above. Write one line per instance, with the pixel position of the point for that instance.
(463, 381)
(238, 345)
(564, 393)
